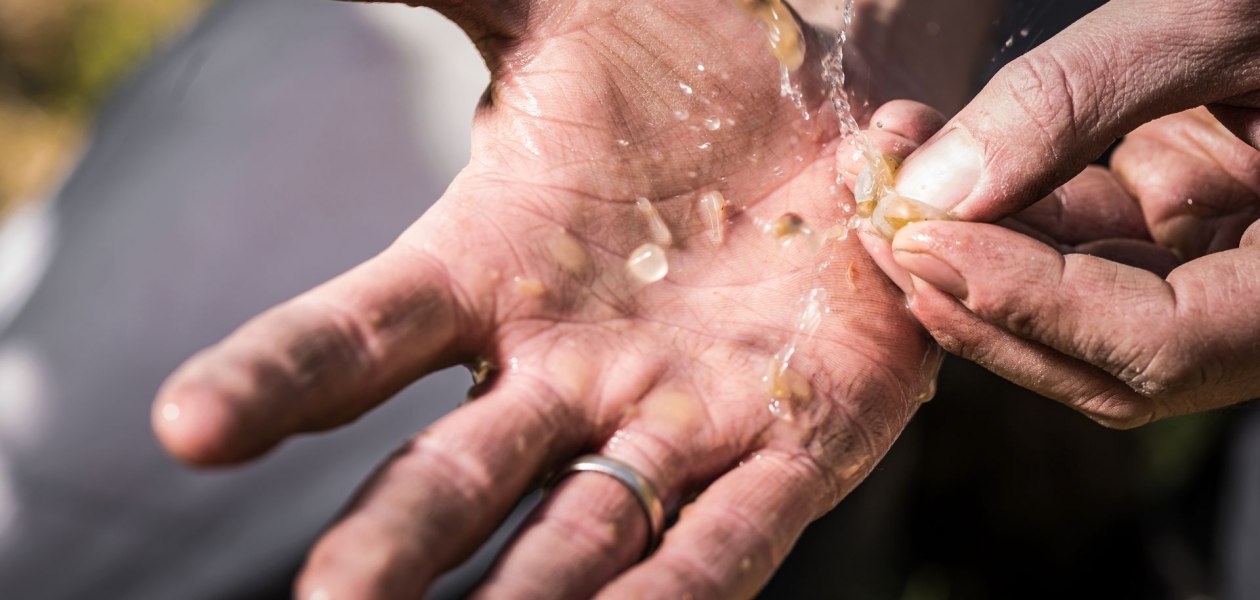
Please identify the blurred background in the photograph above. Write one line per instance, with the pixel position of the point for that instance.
(151, 151)
(58, 62)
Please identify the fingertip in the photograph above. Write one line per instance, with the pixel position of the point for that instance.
(881, 253)
(193, 423)
(909, 119)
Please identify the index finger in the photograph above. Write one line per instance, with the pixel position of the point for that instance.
(317, 361)
(1162, 337)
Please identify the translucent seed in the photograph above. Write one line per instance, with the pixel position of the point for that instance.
(865, 209)
(875, 179)
(648, 263)
(786, 42)
(896, 211)
(927, 393)
(786, 387)
(480, 370)
(529, 287)
(568, 253)
(657, 228)
(787, 228)
(713, 211)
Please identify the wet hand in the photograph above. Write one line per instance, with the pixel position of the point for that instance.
(1123, 344)
(643, 231)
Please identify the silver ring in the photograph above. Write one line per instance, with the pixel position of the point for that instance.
(639, 486)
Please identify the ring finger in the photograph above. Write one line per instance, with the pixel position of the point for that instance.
(592, 527)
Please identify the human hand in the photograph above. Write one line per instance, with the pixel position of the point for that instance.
(1121, 344)
(524, 263)
(1051, 112)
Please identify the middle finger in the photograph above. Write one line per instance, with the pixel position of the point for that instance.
(591, 527)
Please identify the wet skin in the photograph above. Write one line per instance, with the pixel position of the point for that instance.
(1149, 313)
(522, 263)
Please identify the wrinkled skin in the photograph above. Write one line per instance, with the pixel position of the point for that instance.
(667, 377)
(1150, 314)
(1124, 345)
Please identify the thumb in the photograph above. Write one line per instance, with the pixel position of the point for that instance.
(1045, 116)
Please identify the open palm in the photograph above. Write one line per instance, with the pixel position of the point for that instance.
(599, 116)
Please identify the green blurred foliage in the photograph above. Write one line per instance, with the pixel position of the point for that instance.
(58, 60)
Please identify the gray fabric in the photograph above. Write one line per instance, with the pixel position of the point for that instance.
(279, 144)
(1240, 530)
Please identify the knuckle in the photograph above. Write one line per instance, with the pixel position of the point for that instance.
(754, 540)
(1161, 371)
(700, 577)
(464, 475)
(1040, 87)
(805, 466)
(589, 535)
(366, 559)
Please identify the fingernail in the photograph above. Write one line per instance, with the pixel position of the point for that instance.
(944, 172)
(934, 271)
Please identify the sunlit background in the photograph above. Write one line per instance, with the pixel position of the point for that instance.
(58, 61)
(947, 515)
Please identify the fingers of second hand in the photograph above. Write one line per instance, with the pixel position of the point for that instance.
(433, 503)
(1109, 315)
(318, 361)
(591, 527)
(1032, 365)
(729, 541)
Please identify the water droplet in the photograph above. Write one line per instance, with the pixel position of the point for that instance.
(648, 263)
(705, 146)
(713, 123)
(700, 67)
(623, 143)
(864, 185)
(812, 313)
(686, 89)
(681, 114)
